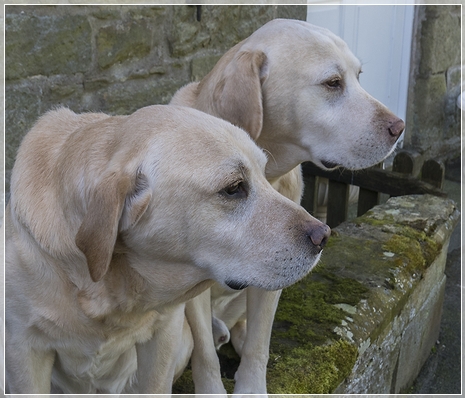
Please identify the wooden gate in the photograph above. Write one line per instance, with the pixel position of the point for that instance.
(410, 174)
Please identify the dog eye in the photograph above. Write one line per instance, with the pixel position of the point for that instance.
(238, 190)
(334, 83)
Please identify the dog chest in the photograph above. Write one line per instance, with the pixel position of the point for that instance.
(88, 365)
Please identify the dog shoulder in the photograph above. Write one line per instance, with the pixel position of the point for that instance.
(290, 184)
(186, 95)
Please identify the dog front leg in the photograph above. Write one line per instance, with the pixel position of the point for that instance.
(158, 359)
(205, 364)
(251, 374)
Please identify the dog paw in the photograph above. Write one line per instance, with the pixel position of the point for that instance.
(246, 391)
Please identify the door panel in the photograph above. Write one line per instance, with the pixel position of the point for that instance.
(380, 36)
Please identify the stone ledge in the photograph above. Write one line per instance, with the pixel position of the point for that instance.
(365, 320)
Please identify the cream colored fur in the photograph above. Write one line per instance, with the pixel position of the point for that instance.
(113, 224)
(294, 87)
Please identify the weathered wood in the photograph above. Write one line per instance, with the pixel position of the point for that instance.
(408, 162)
(338, 203)
(310, 197)
(433, 172)
(367, 199)
(392, 183)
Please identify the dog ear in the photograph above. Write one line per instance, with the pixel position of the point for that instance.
(136, 202)
(115, 205)
(237, 97)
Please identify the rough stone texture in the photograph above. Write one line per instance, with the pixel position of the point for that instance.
(440, 38)
(365, 320)
(433, 117)
(113, 59)
(47, 45)
(401, 316)
(118, 58)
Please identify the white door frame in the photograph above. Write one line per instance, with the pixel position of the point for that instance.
(380, 36)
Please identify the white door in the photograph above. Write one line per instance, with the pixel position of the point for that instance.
(380, 36)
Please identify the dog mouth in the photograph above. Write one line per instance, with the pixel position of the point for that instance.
(236, 285)
(329, 165)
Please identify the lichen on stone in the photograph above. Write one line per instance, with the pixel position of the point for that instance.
(307, 313)
(419, 249)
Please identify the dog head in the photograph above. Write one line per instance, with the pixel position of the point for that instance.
(295, 88)
(184, 196)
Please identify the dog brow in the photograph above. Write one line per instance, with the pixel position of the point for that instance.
(232, 172)
(332, 71)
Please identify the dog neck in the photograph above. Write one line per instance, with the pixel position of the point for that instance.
(123, 289)
(282, 157)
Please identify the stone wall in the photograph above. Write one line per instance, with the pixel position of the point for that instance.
(433, 117)
(119, 58)
(114, 59)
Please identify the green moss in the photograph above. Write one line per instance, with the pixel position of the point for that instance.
(228, 385)
(413, 248)
(306, 311)
(301, 360)
(185, 384)
(312, 370)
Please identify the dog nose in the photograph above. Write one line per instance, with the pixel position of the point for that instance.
(319, 236)
(396, 128)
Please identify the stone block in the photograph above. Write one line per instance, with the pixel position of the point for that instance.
(430, 94)
(122, 98)
(440, 39)
(49, 45)
(228, 25)
(292, 12)
(202, 65)
(219, 26)
(419, 336)
(410, 324)
(27, 99)
(185, 35)
(123, 40)
(131, 37)
(22, 107)
(433, 118)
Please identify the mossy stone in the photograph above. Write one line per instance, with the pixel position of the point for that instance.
(123, 41)
(312, 369)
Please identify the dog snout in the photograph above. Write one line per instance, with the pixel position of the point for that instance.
(319, 236)
(396, 128)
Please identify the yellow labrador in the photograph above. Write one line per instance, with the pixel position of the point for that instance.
(294, 87)
(115, 222)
